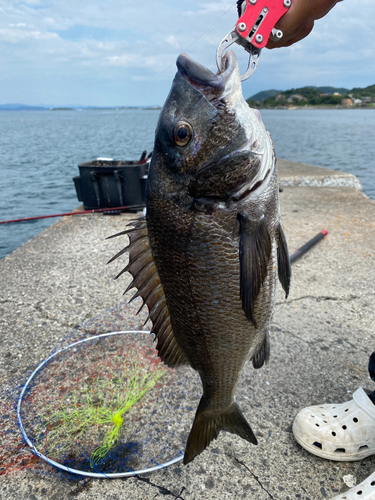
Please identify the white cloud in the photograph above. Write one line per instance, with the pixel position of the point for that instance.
(172, 40)
(138, 42)
(15, 36)
(49, 21)
(125, 60)
(211, 7)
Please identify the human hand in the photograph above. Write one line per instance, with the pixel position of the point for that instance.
(298, 22)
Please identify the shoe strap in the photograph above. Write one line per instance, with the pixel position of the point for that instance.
(364, 402)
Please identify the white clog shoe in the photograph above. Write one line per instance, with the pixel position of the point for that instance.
(364, 491)
(342, 432)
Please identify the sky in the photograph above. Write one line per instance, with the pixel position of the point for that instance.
(123, 53)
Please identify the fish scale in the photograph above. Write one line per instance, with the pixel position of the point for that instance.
(207, 256)
(190, 292)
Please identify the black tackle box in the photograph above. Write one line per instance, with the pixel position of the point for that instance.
(106, 183)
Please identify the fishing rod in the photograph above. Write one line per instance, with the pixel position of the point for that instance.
(298, 253)
(83, 212)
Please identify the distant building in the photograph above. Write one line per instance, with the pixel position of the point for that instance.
(337, 93)
(366, 99)
(357, 102)
(297, 97)
(324, 94)
(346, 102)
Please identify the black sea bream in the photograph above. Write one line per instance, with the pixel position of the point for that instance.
(206, 257)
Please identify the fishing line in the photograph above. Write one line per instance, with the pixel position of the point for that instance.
(143, 91)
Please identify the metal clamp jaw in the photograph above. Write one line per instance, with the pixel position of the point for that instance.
(253, 29)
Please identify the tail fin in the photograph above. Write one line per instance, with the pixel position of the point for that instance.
(206, 428)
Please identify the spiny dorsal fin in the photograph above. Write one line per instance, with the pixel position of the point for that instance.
(147, 281)
(283, 262)
(136, 223)
(255, 251)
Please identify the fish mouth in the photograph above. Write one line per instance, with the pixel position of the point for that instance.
(212, 86)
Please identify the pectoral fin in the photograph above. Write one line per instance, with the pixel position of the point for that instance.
(283, 262)
(146, 279)
(255, 251)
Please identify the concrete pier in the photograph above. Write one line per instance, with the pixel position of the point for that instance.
(321, 339)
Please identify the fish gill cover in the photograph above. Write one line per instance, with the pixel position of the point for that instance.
(105, 406)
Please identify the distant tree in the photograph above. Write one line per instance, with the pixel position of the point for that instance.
(315, 96)
(251, 103)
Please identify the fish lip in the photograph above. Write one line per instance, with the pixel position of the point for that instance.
(211, 85)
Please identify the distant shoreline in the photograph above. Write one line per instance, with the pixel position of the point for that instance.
(89, 108)
(277, 108)
(332, 108)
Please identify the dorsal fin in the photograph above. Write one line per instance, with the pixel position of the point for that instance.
(147, 281)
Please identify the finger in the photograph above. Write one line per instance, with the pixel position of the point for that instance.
(322, 7)
(299, 34)
(302, 11)
(286, 37)
(303, 33)
(295, 17)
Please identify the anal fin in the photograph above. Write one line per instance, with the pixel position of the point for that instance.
(207, 425)
(263, 355)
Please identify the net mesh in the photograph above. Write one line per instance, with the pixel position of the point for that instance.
(105, 406)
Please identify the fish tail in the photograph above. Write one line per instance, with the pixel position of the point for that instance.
(207, 425)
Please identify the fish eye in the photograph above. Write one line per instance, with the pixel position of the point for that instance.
(182, 133)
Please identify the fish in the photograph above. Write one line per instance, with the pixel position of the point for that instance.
(207, 257)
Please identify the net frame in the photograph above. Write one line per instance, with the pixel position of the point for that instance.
(101, 475)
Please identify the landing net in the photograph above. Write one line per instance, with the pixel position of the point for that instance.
(100, 406)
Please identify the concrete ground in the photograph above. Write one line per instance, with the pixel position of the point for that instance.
(320, 342)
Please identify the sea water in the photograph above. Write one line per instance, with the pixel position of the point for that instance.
(40, 153)
(339, 139)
